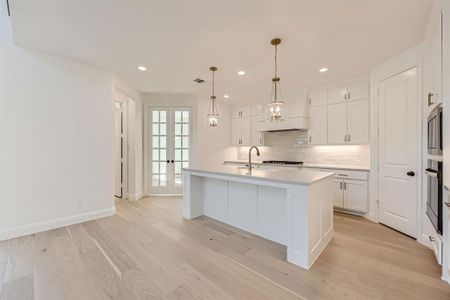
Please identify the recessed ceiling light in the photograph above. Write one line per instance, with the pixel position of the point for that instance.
(323, 70)
(142, 68)
(242, 73)
(226, 96)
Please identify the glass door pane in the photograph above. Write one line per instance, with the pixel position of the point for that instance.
(159, 149)
(182, 143)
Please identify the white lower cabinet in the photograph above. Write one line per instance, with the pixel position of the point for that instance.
(338, 195)
(350, 190)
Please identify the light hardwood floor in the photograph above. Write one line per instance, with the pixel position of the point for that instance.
(148, 251)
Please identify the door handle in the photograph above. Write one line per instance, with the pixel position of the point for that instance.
(431, 172)
(410, 173)
(430, 99)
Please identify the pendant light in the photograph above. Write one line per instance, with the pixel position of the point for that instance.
(275, 108)
(213, 112)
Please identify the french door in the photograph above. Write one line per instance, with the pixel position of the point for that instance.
(169, 131)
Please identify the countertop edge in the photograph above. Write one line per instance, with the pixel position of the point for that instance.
(325, 176)
(307, 165)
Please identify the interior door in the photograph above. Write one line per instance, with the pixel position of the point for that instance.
(170, 148)
(118, 150)
(398, 144)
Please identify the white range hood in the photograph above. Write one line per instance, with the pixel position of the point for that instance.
(292, 122)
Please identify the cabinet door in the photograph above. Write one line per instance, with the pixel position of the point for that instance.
(355, 195)
(256, 136)
(358, 91)
(317, 98)
(337, 95)
(337, 123)
(432, 74)
(338, 193)
(240, 131)
(318, 125)
(245, 130)
(358, 122)
(235, 132)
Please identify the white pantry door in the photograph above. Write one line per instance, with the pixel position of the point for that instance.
(399, 142)
(170, 143)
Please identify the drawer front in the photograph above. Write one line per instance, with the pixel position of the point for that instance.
(347, 174)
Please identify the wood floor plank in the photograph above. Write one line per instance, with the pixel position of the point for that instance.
(19, 289)
(149, 251)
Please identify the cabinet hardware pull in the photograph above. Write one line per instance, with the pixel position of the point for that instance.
(340, 185)
(345, 138)
(342, 175)
(310, 139)
(430, 99)
(345, 185)
(432, 239)
(349, 138)
(309, 101)
(349, 95)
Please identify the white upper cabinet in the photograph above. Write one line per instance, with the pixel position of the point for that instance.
(337, 123)
(337, 95)
(241, 131)
(317, 98)
(432, 72)
(357, 122)
(256, 137)
(346, 118)
(317, 128)
(241, 112)
(358, 91)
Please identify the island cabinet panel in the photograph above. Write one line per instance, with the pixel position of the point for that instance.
(272, 213)
(242, 205)
(296, 212)
(215, 197)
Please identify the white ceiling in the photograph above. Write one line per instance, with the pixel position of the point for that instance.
(180, 39)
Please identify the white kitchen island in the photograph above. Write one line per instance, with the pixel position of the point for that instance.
(292, 207)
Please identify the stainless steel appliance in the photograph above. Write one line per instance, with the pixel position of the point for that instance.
(282, 162)
(435, 131)
(434, 193)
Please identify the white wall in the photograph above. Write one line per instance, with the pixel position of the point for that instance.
(56, 133)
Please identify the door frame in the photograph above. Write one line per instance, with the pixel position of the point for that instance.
(412, 58)
(124, 172)
(147, 141)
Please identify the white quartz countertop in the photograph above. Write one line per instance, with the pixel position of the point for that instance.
(298, 176)
(308, 165)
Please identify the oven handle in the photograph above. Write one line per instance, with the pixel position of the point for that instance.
(431, 172)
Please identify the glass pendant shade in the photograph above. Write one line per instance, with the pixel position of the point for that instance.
(213, 113)
(275, 110)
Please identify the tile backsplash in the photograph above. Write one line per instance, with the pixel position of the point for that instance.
(292, 145)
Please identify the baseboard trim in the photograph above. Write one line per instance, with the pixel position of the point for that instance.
(135, 197)
(55, 223)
